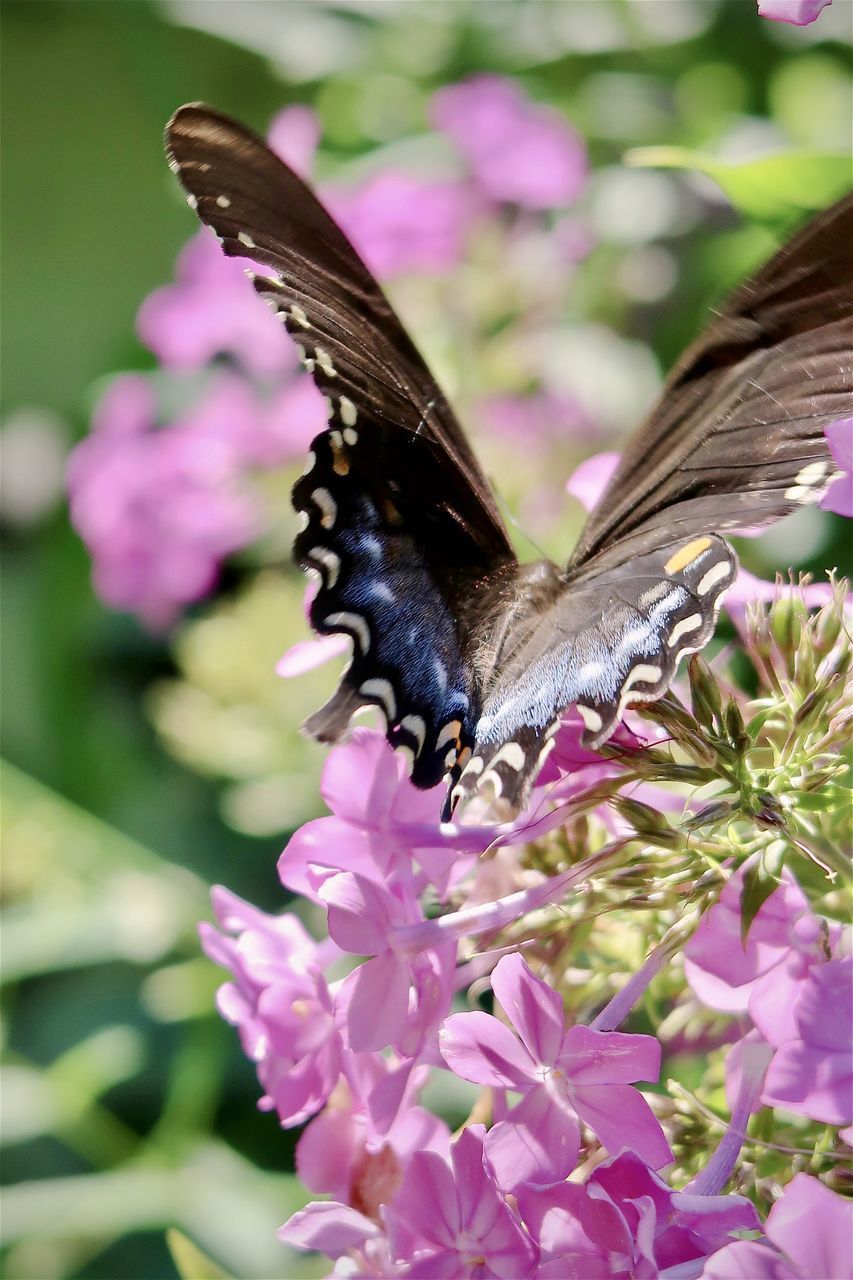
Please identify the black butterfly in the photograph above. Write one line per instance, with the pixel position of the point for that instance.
(471, 656)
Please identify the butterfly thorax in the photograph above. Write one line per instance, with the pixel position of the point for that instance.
(506, 613)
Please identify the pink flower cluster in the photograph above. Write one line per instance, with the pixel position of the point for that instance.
(793, 979)
(346, 1033)
(161, 489)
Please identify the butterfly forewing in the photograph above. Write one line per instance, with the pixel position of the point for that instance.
(737, 438)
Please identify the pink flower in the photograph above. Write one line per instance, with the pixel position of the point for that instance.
(626, 1221)
(763, 974)
(397, 997)
(379, 821)
(293, 135)
(812, 1073)
(531, 419)
(160, 507)
(588, 481)
(809, 1237)
(400, 224)
(453, 1221)
(279, 1002)
(518, 152)
(357, 1152)
(565, 1075)
(798, 12)
(839, 495)
(212, 310)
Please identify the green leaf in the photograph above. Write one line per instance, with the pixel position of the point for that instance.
(772, 189)
(759, 881)
(190, 1262)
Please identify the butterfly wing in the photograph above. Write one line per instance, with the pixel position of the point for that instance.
(398, 521)
(737, 439)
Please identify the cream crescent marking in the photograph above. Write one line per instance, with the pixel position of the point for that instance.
(329, 560)
(714, 575)
(329, 508)
(351, 622)
(683, 628)
(417, 728)
(510, 754)
(383, 692)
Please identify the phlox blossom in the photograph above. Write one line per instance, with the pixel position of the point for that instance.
(453, 1219)
(401, 224)
(839, 495)
(518, 152)
(809, 1236)
(566, 1075)
(379, 822)
(624, 1221)
(159, 507)
(798, 12)
(356, 1150)
(280, 1003)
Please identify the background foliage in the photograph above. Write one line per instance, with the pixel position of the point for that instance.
(127, 1105)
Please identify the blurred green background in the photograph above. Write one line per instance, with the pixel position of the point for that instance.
(127, 1106)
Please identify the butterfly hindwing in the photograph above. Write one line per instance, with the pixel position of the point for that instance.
(614, 641)
(379, 584)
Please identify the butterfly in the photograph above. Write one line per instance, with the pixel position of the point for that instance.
(472, 657)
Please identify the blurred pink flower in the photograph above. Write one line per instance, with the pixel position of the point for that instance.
(812, 1072)
(160, 507)
(798, 12)
(589, 480)
(293, 135)
(565, 1075)
(279, 1002)
(400, 224)
(518, 152)
(527, 419)
(809, 1236)
(212, 310)
(839, 495)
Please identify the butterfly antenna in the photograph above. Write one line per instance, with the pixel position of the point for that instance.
(513, 522)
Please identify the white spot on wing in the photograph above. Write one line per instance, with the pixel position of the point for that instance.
(246, 239)
(330, 561)
(351, 622)
(590, 717)
(223, 202)
(328, 507)
(684, 628)
(297, 314)
(349, 414)
(511, 754)
(714, 575)
(383, 692)
(449, 733)
(416, 727)
(324, 362)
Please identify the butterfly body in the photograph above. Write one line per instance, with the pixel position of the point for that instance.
(470, 656)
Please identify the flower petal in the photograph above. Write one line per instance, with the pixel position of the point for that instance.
(479, 1048)
(622, 1120)
(533, 1008)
